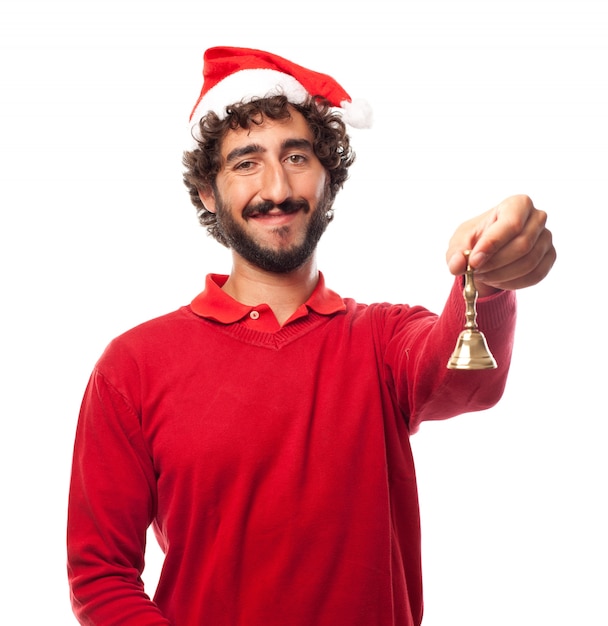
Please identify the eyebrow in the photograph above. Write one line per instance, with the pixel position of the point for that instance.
(255, 148)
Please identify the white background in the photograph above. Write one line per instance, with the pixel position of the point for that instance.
(473, 101)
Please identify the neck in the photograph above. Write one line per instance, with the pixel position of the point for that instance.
(283, 293)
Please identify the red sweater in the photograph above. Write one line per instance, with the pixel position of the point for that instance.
(274, 463)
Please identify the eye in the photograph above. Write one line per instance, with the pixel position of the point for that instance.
(296, 159)
(244, 166)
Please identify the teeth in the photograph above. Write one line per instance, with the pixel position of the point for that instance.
(273, 212)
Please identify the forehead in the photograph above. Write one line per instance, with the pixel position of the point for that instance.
(269, 133)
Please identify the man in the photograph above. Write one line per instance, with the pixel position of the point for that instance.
(263, 430)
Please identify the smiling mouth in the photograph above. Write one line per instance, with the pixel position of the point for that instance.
(269, 209)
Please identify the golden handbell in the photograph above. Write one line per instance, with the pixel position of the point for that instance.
(471, 352)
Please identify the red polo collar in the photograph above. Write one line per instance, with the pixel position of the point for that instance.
(215, 304)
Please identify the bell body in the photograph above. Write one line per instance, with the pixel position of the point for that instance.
(471, 352)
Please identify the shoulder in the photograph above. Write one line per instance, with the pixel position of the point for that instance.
(386, 320)
(156, 327)
(146, 340)
(384, 311)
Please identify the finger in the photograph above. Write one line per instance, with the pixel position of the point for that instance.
(464, 239)
(508, 242)
(526, 270)
(512, 219)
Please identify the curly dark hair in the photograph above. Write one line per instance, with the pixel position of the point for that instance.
(331, 145)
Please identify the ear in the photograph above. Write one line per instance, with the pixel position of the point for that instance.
(208, 199)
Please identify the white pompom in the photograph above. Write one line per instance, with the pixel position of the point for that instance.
(357, 113)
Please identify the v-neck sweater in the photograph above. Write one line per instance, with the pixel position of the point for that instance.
(275, 467)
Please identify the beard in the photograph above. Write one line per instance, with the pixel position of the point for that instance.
(276, 260)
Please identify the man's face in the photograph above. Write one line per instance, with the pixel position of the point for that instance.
(271, 194)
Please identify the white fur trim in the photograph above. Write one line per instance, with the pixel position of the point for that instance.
(245, 85)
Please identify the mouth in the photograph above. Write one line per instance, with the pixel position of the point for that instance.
(273, 219)
(271, 211)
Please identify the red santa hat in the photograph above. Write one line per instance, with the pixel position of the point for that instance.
(233, 75)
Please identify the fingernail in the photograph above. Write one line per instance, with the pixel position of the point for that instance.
(477, 259)
(455, 260)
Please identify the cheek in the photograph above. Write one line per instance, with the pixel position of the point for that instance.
(238, 195)
(316, 186)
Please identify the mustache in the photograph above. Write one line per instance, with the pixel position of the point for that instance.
(288, 206)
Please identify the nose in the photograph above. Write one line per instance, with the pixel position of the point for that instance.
(275, 183)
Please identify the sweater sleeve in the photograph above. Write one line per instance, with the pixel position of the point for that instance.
(418, 352)
(111, 504)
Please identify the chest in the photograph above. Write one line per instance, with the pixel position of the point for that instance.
(296, 423)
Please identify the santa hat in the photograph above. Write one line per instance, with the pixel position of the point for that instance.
(233, 75)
